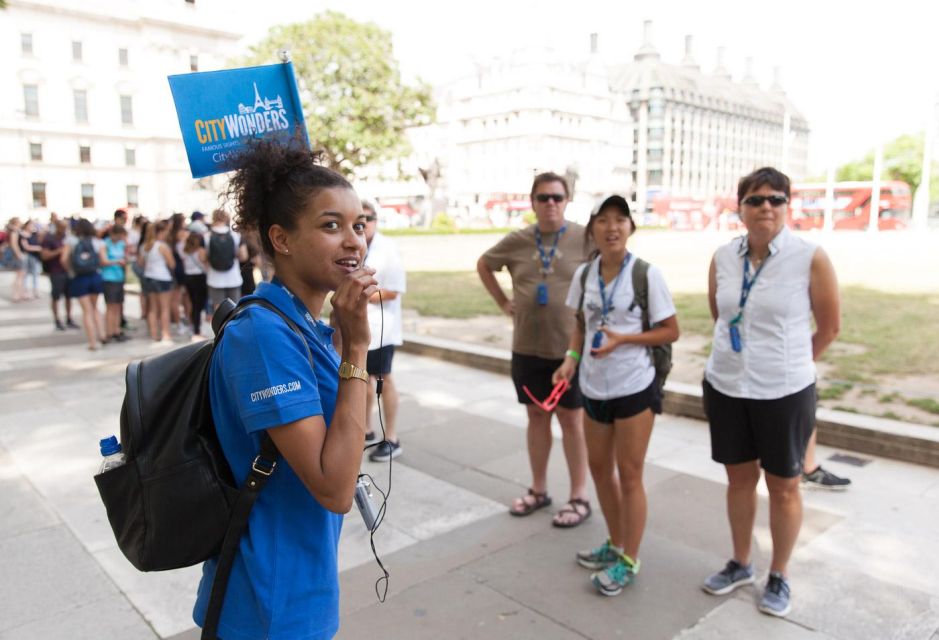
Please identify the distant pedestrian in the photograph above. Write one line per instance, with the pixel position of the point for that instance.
(223, 251)
(113, 274)
(32, 249)
(53, 245)
(618, 382)
(196, 286)
(384, 321)
(82, 258)
(766, 291)
(541, 259)
(158, 265)
(14, 233)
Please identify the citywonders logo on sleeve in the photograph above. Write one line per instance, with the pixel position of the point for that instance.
(219, 111)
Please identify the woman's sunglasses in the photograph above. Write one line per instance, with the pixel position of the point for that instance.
(544, 197)
(757, 201)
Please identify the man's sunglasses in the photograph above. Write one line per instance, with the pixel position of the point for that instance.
(757, 201)
(544, 197)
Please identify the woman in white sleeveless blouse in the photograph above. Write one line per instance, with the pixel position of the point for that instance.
(765, 289)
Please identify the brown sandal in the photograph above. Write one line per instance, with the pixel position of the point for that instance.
(527, 508)
(571, 507)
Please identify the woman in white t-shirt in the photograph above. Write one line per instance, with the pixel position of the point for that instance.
(617, 379)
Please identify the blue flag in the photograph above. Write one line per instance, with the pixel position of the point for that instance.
(219, 111)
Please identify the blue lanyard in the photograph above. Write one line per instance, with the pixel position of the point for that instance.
(607, 305)
(747, 285)
(301, 308)
(546, 260)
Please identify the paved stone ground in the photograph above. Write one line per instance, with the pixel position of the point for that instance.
(865, 567)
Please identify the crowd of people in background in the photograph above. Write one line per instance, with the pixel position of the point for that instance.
(182, 267)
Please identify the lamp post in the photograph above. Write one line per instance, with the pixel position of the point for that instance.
(921, 198)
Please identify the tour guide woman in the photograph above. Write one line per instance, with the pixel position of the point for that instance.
(284, 582)
(765, 289)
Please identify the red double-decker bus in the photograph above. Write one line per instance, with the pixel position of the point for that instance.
(852, 205)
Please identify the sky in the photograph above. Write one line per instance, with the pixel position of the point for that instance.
(861, 72)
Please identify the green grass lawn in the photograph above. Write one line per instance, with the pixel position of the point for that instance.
(887, 333)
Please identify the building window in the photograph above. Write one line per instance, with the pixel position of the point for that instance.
(35, 151)
(130, 157)
(193, 63)
(655, 154)
(84, 154)
(26, 43)
(76, 51)
(31, 99)
(39, 195)
(80, 98)
(127, 110)
(88, 196)
(122, 57)
(655, 176)
(132, 192)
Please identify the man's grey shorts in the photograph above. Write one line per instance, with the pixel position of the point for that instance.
(216, 295)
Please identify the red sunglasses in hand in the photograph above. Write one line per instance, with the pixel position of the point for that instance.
(553, 398)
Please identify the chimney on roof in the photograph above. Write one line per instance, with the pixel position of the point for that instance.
(688, 60)
(647, 50)
(593, 43)
(777, 81)
(748, 73)
(719, 69)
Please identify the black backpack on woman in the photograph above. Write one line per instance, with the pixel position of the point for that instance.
(174, 502)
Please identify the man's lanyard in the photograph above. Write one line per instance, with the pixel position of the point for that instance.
(607, 304)
(547, 259)
(747, 285)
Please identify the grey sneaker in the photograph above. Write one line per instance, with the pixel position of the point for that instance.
(729, 578)
(386, 450)
(612, 580)
(600, 558)
(824, 479)
(775, 600)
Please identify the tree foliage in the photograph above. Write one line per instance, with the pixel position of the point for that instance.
(356, 105)
(903, 160)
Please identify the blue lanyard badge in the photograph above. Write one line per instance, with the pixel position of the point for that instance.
(745, 288)
(606, 304)
(541, 294)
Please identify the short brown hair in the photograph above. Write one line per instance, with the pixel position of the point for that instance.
(764, 176)
(550, 176)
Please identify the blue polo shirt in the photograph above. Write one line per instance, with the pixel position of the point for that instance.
(284, 583)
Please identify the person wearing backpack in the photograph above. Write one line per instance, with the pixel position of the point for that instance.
(266, 380)
(620, 382)
(224, 253)
(82, 259)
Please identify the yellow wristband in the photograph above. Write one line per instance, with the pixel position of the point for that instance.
(573, 354)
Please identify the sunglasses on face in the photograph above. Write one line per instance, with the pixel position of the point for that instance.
(757, 201)
(544, 197)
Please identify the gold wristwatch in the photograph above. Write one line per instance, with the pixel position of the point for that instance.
(347, 371)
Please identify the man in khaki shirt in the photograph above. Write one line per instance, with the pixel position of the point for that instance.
(542, 259)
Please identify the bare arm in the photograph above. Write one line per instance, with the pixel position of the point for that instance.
(712, 290)
(327, 460)
(826, 302)
(66, 255)
(49, 254)
(665, 333)
(168, 256)
(492, 286)
(14, 241)
(569, 365)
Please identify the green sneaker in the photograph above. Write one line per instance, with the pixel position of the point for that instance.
(600, 558)
(610, 581)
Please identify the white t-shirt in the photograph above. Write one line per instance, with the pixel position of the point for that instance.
(224, 279)
(628, 369)
(383, 256)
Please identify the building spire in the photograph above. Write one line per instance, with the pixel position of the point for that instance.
(689, 60)
(647, 51)
(719, 69)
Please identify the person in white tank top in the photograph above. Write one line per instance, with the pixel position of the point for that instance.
(158, 280)
(764, 290)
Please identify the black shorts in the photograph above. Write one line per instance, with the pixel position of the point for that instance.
(775, 432)
(59, 282)
(535, 373)
(378, 361)
(606, 411)
(113, 292)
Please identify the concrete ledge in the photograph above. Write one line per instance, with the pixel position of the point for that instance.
(852, 431)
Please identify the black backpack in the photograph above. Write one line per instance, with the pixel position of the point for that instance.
(174, 502)
(85, 260)
(660, 354)
(221, 250)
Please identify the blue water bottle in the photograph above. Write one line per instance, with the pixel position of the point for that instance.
(113, 456)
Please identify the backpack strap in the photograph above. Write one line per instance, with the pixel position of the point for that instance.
(581, 319)
(640, 279)
(261, 470)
